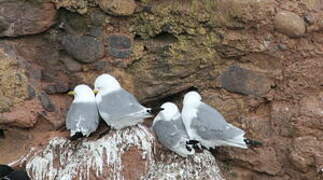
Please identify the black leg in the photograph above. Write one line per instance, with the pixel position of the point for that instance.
(192, 142)
(77, 136)
(188, 148)
(103, 133)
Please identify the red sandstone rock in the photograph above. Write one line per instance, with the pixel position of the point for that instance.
(23, 114)
(176, 47)
(20, 18)
(240, 80)
(307, 151)
(290, 24)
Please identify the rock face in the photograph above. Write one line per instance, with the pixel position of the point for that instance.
(312, 148)
(252, 60)
(124, 154)
(22, 18)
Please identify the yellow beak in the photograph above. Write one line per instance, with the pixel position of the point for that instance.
(71, 93)
(95, 91)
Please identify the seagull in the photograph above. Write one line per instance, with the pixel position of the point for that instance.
(206, 125)
(170, 130)
(117, 107)
(83, 116)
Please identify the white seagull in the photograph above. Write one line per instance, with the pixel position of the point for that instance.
(170, 131)
(206, 125)
(117, 107)
(83, 116)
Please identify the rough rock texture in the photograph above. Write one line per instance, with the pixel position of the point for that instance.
(22, 18)
(244, 81)
(290, 24)
(125, 154)
(80, 6)
(118, 8)
(85, 49)
(119, 45)
(260, 77)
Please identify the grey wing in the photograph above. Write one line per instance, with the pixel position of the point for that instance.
(168, 133)
(178, 122)
(84, 115)
(120, 103)
(210, 124)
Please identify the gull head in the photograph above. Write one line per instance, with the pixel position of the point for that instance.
(82, 92)
(192, 97)
(170, 110)
(106, 82)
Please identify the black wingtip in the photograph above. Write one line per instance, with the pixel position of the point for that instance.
(155, 111)
(252, 143)
(76, 136)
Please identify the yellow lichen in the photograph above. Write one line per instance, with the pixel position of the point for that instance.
(13, 82)
(80, 6)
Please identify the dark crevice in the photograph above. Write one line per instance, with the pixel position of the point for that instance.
(165, 36)
(27, 35)
(137, 37)
(177, 96)
(2, 136)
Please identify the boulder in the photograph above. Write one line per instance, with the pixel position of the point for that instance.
(85, 49)
(289, 24)
(240, 80)
(19, 18)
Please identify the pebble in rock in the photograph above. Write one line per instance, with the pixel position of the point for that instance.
(289, 24)
(71, 65)
(19, 18)
(85, 49)
(56, 88)
(46, 102)
(119, 45)
(240, 80)
(117, 7)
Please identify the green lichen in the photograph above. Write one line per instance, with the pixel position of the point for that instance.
(189, 17)
(193, 47)
(137, 51)
(204, 36)
(14, 83)
(79, 6)
(5, 104)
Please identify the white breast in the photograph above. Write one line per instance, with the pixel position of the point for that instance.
(188, 113)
